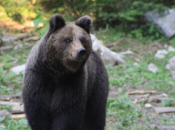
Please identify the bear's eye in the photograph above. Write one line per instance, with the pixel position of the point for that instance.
(83, 40)
(68, 41)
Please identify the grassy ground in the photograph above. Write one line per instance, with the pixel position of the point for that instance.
(122, 113)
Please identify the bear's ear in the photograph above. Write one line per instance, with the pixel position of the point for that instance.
(84, 22)
(56, 22)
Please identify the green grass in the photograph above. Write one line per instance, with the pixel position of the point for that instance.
(10, 124)
(124, 114)
(123, 109)
(125, 74)
(11, 84)
(114, 34)
(110, 35)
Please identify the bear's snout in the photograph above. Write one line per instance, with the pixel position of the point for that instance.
(78, 52)
(81, 52)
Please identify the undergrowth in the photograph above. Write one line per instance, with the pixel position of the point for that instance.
(123, 76)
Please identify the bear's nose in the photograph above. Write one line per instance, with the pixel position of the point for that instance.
(81, 51)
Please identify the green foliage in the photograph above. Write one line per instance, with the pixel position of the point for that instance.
(110, 35)
(167, 120)
(8, 107)
(40, 20)
(15, 9)
(172, 41)
(3, 89)
(123, 108)
(11, 124)
(72, 9)
(128, 74)
(130, 16)
(126, 14)
(11, 84)
(168, 102)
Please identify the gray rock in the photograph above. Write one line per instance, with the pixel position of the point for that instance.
(3, 114)
(164, 95)
(160, 54)
(18, 69)
(167, 67)
(171, 49)
(164, 19)
(135, 64)
(128, 52)
(109, 57)
(152, 68)
(148, 105)
(171, 66)
(171, 63)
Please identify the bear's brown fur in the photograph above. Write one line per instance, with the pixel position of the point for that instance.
(65, 82)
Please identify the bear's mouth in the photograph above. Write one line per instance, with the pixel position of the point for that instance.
(80, 58)
(80, 55)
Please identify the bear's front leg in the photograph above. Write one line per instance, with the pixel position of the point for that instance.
(95, 116)
(36, 102)
(68, 107)
(70, 118)
(38, 117)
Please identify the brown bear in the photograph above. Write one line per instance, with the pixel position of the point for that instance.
(65, 83)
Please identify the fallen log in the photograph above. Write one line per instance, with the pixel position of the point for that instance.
(20, 36)
(157, 99)
(120, 41)
(5, 97)
(162, 127)
(33, 38)
(8, 97)
(6, 48)
(141, 92)
(17, 109)
(10, 103)
(17, 37)
(164, 109)
(142, 96)
(18, 116)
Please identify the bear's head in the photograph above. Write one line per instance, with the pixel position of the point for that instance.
(68, 44)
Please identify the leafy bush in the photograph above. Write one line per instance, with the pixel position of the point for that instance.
(128, 14)
(39, 19)
(15, 9)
